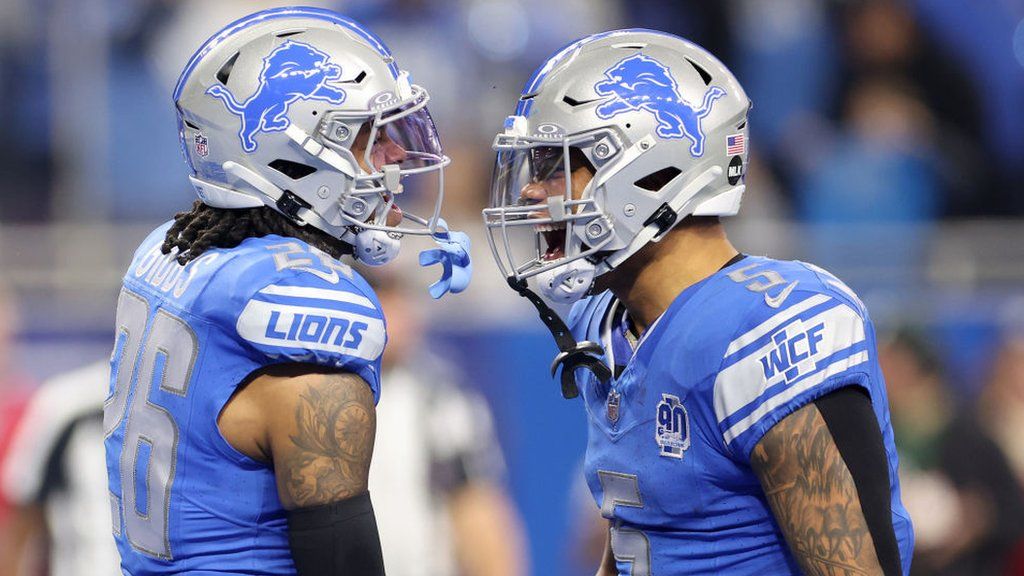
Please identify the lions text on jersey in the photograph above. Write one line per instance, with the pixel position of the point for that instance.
(668, 456)
(182, 499)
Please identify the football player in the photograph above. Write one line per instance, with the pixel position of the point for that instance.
(738, 420)
(241, 418)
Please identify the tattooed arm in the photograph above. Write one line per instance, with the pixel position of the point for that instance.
(317, 428)
(814, 498)
(322, 440)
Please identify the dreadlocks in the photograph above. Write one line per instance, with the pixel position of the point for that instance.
(204, 227)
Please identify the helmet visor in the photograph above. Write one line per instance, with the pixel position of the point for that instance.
(407, 137)
(538, 198)
(538, 182)
(385, 148)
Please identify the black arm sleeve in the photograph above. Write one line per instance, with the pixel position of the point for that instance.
(336, 538)
(851, 421)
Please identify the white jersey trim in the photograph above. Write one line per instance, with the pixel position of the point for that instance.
(319, 294)
(307, 328)
(745, 381)
(771, 323)
(779, 399)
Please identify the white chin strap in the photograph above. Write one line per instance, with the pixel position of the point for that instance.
(375, 247)
(567, 284)
(371, 247)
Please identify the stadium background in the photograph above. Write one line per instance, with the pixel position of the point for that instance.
(888, 141)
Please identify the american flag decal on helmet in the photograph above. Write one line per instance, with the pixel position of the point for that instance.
(735, 145)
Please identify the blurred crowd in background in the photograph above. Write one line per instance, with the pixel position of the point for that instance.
(888, 147)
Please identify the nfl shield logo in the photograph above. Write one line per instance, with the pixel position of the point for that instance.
(202, 145)
(614, 399)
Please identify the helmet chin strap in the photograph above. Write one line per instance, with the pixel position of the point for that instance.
(371, 247)
(567, 284)
(572, 354)
(663, 220)
(375, 247)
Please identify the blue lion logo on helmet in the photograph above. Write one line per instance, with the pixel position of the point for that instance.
(293, 71)
(642, 83)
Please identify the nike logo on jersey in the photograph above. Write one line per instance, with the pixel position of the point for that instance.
(762, 281)
(778, 299)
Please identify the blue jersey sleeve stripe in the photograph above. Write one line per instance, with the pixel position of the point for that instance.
(793, 350)
(758, 345)
(774, 389)
(792, 392)
(743, 444)
(751, 341)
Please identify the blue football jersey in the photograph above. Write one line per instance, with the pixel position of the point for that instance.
(669, 442)
(182, 499)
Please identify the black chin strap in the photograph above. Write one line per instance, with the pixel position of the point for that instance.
(572, 354)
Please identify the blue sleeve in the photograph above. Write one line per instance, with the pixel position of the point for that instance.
(782, 359)
(307, 315)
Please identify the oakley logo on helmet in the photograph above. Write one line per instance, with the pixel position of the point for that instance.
(642, 83)
(293, 71)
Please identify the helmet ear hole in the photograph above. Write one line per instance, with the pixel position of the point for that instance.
(655, 181)
(293, 170)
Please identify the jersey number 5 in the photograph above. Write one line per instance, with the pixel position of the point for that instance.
(763, 281)
(628, 545)
(162, 362)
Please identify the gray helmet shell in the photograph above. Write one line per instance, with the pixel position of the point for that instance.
(661, 120)
(270, 106)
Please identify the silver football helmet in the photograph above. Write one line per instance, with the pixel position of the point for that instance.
(659, 122)
(306, 111)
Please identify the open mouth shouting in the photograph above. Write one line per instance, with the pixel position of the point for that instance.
(554, 238)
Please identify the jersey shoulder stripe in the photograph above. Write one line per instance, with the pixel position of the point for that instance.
(831, 366)
(759, 336)
(780, 359)
(313, 319)
(306, 293)
(295, 303)
(282, 300)
(794, 350)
